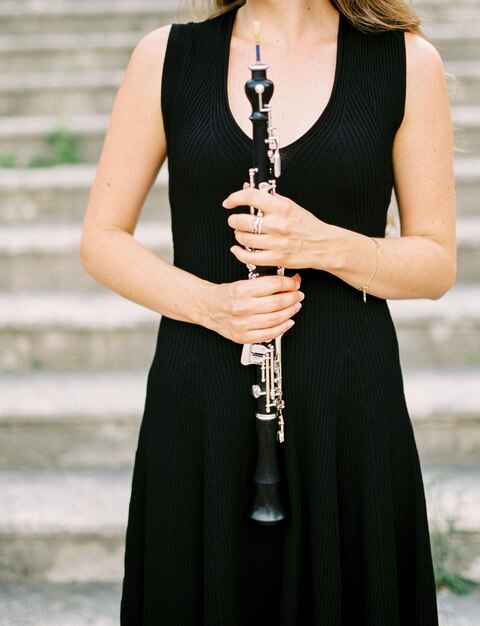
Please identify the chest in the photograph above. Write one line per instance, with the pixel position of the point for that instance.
(303, 80)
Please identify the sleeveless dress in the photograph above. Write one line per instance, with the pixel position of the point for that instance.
(355, 548)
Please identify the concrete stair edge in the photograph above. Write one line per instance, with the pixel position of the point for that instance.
(108, 310)
(79, 419)
(57, 79)
(443, 32)
(432, 394)
(68, 176)
(41, 239)
(52, 501)
(59, 604)
(466, 167)
(465, 114)
(7, 7)
(98, 604)
(67, 509)
(47, 239)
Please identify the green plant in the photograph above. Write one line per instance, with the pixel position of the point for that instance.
(63, 147)
(444, 552)
(7, 159)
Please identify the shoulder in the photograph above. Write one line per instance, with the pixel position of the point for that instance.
(143, 74)
(420, 51)
(426, 85)
(153, 47)
(424, 64)
(150, 51)
(141, 84)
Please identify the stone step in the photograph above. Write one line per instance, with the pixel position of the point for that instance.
(66, 51)
(69, 525)
(70, 419)
(63, 526)
(457, 40)
(66, 16)
(452, 495)
(68, 331)
(443, 332)
(77, 604)
(466, 122)
(80, 419)
(82, 91)
(434, 11)
(455, 610)
(71, 331)
(60, 194)
(467, 183)
(57, 604)
(89, 91)
(468, 242)
(43, 257)
(463, 81)
(25, 138)
(444, 405)
(46, 257)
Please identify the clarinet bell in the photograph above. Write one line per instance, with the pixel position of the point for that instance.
(267, 508)
(267, 503)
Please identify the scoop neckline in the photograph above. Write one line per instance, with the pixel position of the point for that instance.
(326, 110)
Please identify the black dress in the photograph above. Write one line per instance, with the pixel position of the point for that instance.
(355, 549)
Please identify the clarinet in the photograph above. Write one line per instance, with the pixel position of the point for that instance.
(267, 506)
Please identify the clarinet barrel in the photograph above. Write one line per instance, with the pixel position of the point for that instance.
(267, 505)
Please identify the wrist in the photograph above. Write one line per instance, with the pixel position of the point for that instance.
(202, 309)
(344, 250)
(334, 248)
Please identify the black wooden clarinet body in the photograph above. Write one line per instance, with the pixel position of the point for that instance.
(267, 505)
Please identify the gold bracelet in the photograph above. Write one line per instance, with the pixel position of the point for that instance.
(367, 284)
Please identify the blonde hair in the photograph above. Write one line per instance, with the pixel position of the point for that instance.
(366, 15)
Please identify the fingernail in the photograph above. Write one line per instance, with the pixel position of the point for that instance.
(290, 323)
(302, 295)
(298, 306)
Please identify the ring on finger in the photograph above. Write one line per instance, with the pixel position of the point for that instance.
(258, 223)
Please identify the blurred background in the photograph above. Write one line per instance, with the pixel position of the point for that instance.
(74, 358)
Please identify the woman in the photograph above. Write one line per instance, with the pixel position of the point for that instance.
(360, 105)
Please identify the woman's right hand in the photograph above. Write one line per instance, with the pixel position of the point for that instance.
(254, 311)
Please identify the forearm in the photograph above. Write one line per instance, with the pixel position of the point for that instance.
(408, 266)
(245, 311)
(115, 259)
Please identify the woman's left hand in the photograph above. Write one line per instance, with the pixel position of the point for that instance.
(290, 236)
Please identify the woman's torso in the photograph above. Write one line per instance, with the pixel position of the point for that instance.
(340, 169)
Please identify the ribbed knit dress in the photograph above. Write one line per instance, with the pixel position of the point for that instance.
(355, 548)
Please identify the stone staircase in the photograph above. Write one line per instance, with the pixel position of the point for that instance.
(74, 358)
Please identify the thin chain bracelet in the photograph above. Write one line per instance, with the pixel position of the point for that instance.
(364, 287)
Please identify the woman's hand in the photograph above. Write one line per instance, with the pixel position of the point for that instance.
(290, 236)
(251, 311)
